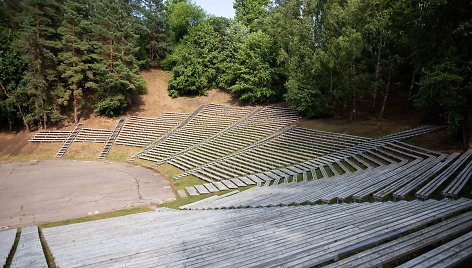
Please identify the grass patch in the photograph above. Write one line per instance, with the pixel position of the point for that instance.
(353, 160)
(300, 177)
(168, 170)
(338, 168)
(9, 260)
(186, 181)
(189, 199)
(100, 216)
(122, 153)
(366, 128)
(47, 253)
(348, 166)
(82, 151)
(442, 141)
(329, 171)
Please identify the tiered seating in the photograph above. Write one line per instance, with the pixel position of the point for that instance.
(264, 123)
(447, 255)
(292, 146)
(437, 181)
(411, 243)
(303, 236)
(453, 189)
(7, 238)
(50, 136)
(29, 252)
(412, 132)
(93, 135)
(140, 131)
(209, 121)
(379, 183)
(366, 155)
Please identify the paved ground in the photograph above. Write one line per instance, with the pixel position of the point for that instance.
(34, 192)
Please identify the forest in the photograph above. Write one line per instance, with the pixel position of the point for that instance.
(60, 59)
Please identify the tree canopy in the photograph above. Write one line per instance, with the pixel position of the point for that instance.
(65, 57)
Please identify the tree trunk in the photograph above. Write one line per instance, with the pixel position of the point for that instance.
(354, 93)
(467, 132)
(110, 56)
(377, 70)
(23, 117)
(354, 108)
(412, 84)
(387, 92)
(331, 81)
(76, 118)
(45, 121)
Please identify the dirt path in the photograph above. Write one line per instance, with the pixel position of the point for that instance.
(35, 192)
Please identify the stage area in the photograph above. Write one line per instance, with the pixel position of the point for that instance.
(33, 192)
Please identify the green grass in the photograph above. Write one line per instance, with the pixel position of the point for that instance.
(329, 171)
(189, 199)
(348, 166)
(365, 128)
(186, 181)
(47, 253)
(338, 169)
(9, 259)
(357, 163)
(100, 216)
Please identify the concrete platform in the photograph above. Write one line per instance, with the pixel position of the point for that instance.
(34, 192)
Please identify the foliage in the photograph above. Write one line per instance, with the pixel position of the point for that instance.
(322, 57)
(13, 101)
(63, 56)
(249, 12)
(155, 38)
(194, 72)
(257, 76)
(183, 15)
(112, 106)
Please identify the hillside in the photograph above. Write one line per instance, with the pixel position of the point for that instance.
(15, 146)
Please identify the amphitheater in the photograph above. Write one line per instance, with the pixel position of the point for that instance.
(271, 194)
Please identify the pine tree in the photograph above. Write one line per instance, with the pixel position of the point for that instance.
(38, 44)
(75, 56)
(156, 34)
(115, 29)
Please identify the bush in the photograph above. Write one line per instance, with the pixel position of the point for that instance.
(112, 106)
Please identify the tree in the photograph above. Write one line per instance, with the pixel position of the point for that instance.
(300, 32)
(76, 53)
(183, 15)
(443, 57)
(155, 39)
(249, 12)
(197, 57)
(13, 100)
(257, 76)
(117, 68)
(38, 44)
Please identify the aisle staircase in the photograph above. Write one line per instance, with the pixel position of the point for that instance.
(69, 140)
(111, 139)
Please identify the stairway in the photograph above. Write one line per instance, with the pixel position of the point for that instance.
(69, 140)
(111, 139)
